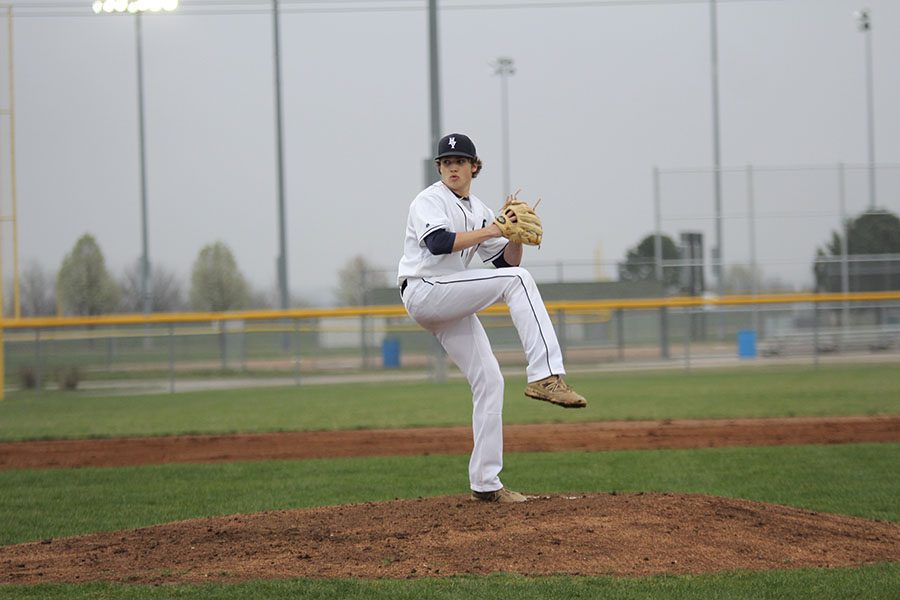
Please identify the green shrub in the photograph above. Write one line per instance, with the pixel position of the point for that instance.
(68, 378)
(28, 377)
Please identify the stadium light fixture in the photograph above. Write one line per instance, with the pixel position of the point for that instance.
(133, 6)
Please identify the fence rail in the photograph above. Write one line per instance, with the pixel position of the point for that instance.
(314, 340)
(391, 310)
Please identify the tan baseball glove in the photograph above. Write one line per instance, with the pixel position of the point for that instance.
(519, 223)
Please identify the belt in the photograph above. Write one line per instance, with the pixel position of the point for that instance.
(403, 286)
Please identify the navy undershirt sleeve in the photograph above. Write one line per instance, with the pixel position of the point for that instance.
(501, 263)
(440, 241)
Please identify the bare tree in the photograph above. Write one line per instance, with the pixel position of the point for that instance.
(37, 294)
(165, 289)
(739, 279)
(777, 284)
(262, 298)
(355, 279)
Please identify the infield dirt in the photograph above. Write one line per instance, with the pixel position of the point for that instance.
(595, 534)
(608, 435)
(581, 534)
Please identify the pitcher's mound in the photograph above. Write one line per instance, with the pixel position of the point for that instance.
(583, 534)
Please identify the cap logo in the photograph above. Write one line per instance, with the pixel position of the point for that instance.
(452, 142)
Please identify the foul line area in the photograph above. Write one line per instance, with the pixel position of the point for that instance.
(303, 445)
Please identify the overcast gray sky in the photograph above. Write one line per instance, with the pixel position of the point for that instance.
(602, 94)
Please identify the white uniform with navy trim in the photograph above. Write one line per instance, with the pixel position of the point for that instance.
(443, 296)
(436, 207)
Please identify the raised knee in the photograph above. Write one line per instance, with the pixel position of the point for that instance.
(524, 275)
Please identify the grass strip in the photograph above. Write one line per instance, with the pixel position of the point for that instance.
(713, 393)
(871, 582)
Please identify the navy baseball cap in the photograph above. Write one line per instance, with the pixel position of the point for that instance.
(456, 144)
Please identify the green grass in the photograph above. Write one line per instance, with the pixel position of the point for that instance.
(712, 393)
(873, 582)
(855, 479)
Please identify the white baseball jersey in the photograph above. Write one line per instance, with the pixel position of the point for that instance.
(436, 207)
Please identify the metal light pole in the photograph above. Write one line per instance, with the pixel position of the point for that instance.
(865, 25)
(282, 237)
(145, 253)
(137, 8)
(10, 110)
(717, 161)
(504, 67)
(434, 89)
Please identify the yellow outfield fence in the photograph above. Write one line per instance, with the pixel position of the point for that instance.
(396, 310)
(25, 330)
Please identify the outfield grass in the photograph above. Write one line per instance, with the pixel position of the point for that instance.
(854, 479)
(712, 393)
(874, 582)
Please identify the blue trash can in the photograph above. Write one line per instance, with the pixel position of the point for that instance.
(746, 341)
(390, 353)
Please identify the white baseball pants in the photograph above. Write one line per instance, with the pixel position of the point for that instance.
(446, 306)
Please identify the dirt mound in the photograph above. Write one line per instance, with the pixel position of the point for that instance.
(608, 435)
(594, 534)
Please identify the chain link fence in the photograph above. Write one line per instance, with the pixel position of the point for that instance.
(773, 223)
(352, 345)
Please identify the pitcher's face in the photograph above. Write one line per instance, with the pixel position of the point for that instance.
(456, 173)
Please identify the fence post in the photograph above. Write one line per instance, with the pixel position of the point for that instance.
(816, 334)
(561, 328)
(657, 229)
(439, 372)
(620, 333)
(845, 238)
(754, 266)
(243, 346)
(363, 358)
(688, 328)
(38, 359)
(296, 345)
(223, 344)
(171, 358)
(664, 332)
(2, 363)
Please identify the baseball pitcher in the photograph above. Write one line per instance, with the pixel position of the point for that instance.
(446, 228)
